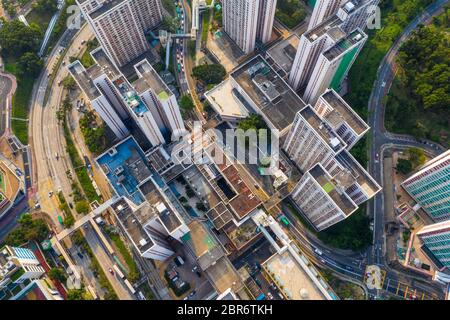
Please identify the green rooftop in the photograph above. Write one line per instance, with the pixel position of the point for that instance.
(163, 96)
(328, 187)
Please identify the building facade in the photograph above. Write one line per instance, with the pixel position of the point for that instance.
(119, 25)
(435, 241)
(430, 187)
(333, 65)
(322, 10)
(246, 21)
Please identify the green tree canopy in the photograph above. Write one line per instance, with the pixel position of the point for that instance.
(16, 38)
(186, 103)
(57, 274)
(29, 64)
(82, 206)
(209, 73)
(28, 229)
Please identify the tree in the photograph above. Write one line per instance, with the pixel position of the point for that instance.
(186, 103)
(69, 83)
(75, 294)
(417, 157)
(29, 64)
(27, 230)
(404, 166)
(45, 6)
(82, 206)
(57, 274)
(253, 121)
(69, 221)
(16, 38)
(209, 73)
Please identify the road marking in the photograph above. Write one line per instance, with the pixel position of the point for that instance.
(398, 288)
(406, 292)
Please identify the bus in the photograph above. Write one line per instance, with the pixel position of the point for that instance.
(118, 271)
(60, 220)
(261, 297)
(284, 220)
(129, 286)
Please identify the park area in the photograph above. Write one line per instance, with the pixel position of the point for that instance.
(291, 12)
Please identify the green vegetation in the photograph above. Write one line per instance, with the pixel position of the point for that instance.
(290, 12)
(352, 233)
(169, 5)
(253, 121)
(344, 289)
(82, 207)
(98, 272)
(422, 88)
(68, 217)
(209, 73)
(57, 274)
(86, 59)
(170, 24)
(133, 274)
(94, 135)
(191, 48)
(80, 169)
(27, 230)
(404, 166)
(206, 17)
(69, 83)
(415, 158)
(396, 15)
(78, 294)
(186, 103)
(18, 46)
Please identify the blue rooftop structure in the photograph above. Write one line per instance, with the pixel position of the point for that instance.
(126, 168)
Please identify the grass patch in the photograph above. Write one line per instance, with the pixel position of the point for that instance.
(205, 26)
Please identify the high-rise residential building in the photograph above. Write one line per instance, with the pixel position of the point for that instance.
(266, 17)
(312, 44)
(322, 10)
(333, 65)
(324, 35)
(341, 117)
(100, 102)
(430, 187)
(119, 25)
(435, 241)
(322, 199)
(357, 14)
(148, 102)
(17, 265)
(240, 22)
(161, 101)
(246, 21)
(321, 138)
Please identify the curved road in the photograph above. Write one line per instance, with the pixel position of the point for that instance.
(380, 137)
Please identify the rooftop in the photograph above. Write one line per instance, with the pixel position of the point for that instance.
(157, 205)
(204, 245)
(344, 44)
(130, 223)
(329, 26)
(130, 96)
(106, 6)
(339, 197)
(358, 173)
(125, 167)
(83, 79)
(149, 79)
(343, 113)
(297, 284)
(226, 102)
(283, 53)
(274, 98)
(106, 65)
(323, 129)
